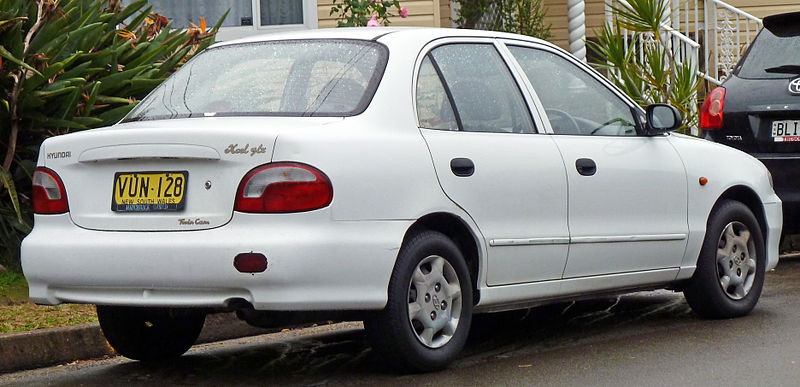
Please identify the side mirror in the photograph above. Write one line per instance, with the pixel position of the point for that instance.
(661, 119)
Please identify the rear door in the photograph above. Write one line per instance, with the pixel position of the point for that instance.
(490, 160)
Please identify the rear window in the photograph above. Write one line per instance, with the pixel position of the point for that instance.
(775, 53)
(283, 78)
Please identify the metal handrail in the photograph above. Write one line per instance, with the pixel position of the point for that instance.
(680, 36)
(739, 11)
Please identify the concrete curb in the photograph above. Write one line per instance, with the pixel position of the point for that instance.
(46, 347)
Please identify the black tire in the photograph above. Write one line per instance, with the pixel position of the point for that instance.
(394, 335)
(150, 334)
(705, 292)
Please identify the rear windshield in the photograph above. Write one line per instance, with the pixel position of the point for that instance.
(284, 78)
(774, 54)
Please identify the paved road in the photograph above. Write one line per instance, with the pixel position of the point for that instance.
(638, 339)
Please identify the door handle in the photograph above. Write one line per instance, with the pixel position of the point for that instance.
(586, 167)
(462, 167)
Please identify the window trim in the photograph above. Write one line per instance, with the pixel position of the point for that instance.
(634, 107)
(533, 109)
(447, 91)
(310, 21)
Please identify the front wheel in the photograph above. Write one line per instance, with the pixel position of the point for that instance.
(730, 269)
(150, 334)
(427, 317)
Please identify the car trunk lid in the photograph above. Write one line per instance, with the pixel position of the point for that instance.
(131, 177)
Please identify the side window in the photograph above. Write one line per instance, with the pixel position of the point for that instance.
(485, 95)
(575, 102)
(433, 107)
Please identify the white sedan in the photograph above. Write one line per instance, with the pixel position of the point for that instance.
(406, 177)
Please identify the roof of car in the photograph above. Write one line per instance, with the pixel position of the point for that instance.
(375, 33)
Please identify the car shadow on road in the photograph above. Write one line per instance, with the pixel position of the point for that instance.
(341, 354)
(345, 356)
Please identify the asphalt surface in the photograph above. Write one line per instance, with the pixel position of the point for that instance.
(638, 339)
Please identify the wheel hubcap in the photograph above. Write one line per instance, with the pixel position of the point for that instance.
(736, 260)
(434, 301)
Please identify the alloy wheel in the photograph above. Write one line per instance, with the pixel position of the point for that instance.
(434, 301)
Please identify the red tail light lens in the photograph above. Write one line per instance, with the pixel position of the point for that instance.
(711, 111)
(49, 195)
(283, 187)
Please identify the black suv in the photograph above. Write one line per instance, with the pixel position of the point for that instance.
(757, 109)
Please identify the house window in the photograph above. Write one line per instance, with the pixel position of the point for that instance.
(245, 16)
(277, 12)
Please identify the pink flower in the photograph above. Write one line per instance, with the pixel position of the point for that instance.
(373, 22)
(404, 12)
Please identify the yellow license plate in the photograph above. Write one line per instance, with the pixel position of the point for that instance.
(149, 191)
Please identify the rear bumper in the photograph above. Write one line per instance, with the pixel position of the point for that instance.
(785, 170)
(313, 263)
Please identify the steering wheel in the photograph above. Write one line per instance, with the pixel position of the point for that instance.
(609, 122)
(565, 123)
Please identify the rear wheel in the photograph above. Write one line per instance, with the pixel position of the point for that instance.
(150, 334)
(427, 317)
(730, 269)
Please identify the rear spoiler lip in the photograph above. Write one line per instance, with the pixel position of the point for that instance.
(148, 151)
(780, 19)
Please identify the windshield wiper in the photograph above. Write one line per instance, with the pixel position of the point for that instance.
(787, 69)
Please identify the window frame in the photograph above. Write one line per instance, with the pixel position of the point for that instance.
(447, 92)
(507, 59)
(310, 21)
(636, 111)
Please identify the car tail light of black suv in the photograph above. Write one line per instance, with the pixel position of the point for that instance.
(757, 109)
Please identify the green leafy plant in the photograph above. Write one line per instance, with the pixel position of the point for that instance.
(525, 17)
(359, 13)
(643, 64)
(470, 12)
(69, 65)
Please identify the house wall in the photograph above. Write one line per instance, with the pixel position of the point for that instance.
(445, 19)
(421, 13)
(762, 8)
(557, 18)
(595, 14)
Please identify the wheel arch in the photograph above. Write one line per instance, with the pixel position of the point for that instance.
(459, 232)
(749, 198)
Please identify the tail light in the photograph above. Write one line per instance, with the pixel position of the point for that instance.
(49, 195)
(711, 111)
(283, 187)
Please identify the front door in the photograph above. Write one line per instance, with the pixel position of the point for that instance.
(627, 192)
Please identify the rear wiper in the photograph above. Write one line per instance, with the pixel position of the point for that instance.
(787, 69)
